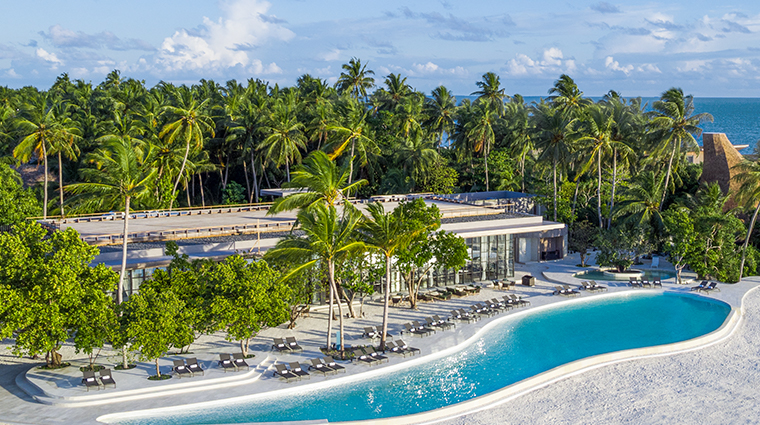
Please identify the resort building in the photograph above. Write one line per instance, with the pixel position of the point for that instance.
(500, 228)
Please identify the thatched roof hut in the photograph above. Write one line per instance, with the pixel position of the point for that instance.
(720, 157)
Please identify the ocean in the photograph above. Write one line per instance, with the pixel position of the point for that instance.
(739, 118)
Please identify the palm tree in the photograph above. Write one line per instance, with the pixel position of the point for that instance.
(418, 155)
(491, 92)
(355, 80)
(480, 131)
(328, 239)
(42, 132)
(518, 116)
(385, 233)
(675, 127)
(598, 128)
(555, 135)
(408, 114)
(641, 200)
(440, 112)
(748, 177)
(397, 90)
(65, 144)
(321, 180)
(628, 120)
(188, 128)
(567, 96)
(285, 137)
(353, 131)
(121, 175)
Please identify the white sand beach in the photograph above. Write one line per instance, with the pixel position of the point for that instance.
(715, 384)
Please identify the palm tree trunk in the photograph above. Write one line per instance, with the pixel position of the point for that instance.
(255, 179)
(60, 182)
(187, 192)
(485, 158)
(386, 298)
(667, 177)
(287, 168)
(179, 176)
(247, 180)
(330, 317)
(226, 172)
(123, 271)
(746, 241)
(200, 185)
(351, 163)
(614, 183)
(331, 267)
(522, 172)
(45, 187)
(555, 189)
(599, 188)
(575, 200)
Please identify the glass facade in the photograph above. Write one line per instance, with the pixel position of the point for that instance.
(491, 257)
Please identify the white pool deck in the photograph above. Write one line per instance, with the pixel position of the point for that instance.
(36, 396)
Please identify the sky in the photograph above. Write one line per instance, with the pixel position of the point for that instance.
(708, 48)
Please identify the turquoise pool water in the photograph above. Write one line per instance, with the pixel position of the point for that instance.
(648, 274)
(512, 350)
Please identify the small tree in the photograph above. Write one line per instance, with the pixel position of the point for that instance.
(357, 275)
(156, 321)
(681, 238)
(434, 249)
(582, 236)
(620, 246)
(16, 203)
(247, 297)
(48, 291)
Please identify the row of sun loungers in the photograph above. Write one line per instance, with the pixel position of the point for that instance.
(288, 345)
(706, 286)
(644, 283)
(188, 367)
(565, 290)
(592, 286)
(442, 294)
(235, 362)
(90, 380)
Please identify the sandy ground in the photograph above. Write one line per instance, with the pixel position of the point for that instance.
(717, 384)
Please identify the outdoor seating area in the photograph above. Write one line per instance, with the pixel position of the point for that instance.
(592, 286)
(565, 291)
(439, 294)
(706, 286)
(90, 380)
(635, 282)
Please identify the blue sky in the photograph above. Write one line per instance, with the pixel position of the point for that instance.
(708, 48)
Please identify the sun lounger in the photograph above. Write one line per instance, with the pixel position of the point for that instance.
(318, 366)
(370, 332)
(106, 378)
(437, 323)
(702, 285)
(471, 314)
(225, 361)
(634, 282)
(518, 300)
(370, 350)
(655, 262)
(392, 348)
(280, 345)
(416, 331)
(459, 291)
(402, 345)
(292, 344)
(192, 364)
(180, 369)
(592, 287)
(419, 325)
(712, 286)
(239, 361)
(444, 322)
(645, 283)
(457, 315)
(295, 367)
(657, 283)
(558, 290)
(329, 361)
(360, 357)
(89, 380)
(282, 371)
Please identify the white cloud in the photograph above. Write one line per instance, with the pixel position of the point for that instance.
(552, 62)
(226, 42)
(332, 55)
(423, 70)
(11, 73)
(48, 57)
(614, 65)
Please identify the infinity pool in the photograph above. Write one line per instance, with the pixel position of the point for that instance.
(512, 350)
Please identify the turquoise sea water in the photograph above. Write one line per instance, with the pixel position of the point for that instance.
(509, 352)
(739, 118)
